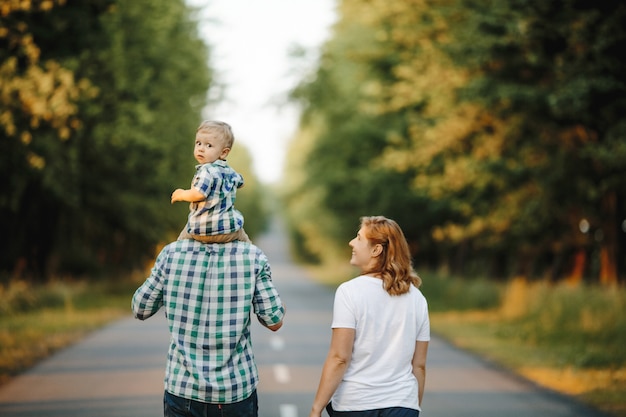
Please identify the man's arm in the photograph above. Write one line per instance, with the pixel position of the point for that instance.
(274, 327)
(148, 298)
(268, 306)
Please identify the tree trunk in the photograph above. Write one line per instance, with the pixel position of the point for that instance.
(608, 266)
(577, 272)
(608, 248)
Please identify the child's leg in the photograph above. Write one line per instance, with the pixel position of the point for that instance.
(227, 237)
(242, 236)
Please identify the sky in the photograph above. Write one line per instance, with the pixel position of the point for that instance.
(250, 42)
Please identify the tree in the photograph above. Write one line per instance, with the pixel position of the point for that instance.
(554, 68)
(93, 161)
(343, 179)
(251, 198)
(500, 120)
(39, 113)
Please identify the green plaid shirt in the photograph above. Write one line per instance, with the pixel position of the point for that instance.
(209, 292)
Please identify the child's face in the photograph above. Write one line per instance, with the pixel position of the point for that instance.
(209, 148)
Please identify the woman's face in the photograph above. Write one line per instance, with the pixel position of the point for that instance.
(362, 251)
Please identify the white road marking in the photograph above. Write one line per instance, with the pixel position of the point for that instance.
(288, 410)
(281, 373)
(277, 342)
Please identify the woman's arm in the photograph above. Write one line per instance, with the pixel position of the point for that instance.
(337, 361)
(419, 367)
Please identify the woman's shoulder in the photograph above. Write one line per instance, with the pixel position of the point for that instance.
(417, 294)
(358, 280)
(362, 284)
(346, 285)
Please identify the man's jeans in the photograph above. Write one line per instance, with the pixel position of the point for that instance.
(174, 406)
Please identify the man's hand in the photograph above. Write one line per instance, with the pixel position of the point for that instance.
(272, 327)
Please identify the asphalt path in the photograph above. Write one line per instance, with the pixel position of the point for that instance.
(118, 371)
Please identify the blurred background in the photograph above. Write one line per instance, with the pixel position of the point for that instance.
(493, 132)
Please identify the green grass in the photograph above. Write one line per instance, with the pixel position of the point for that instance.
(550, 365)
(570, 339)
(37, 320)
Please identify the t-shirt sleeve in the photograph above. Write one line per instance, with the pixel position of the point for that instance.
(343, 310)
(423, 330)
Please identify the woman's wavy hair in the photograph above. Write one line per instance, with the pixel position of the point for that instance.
(394, 263)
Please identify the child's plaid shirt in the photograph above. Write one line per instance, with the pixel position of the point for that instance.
(216, 214)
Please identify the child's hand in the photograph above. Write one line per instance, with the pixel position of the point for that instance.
(177, 195)
(192, 195)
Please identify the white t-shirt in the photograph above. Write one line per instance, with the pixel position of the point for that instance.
(386, 329)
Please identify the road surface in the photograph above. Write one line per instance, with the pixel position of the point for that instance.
(118, 371)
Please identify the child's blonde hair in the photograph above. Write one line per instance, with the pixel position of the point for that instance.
(221, 129)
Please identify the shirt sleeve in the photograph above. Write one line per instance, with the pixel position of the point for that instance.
(343, 310)
(423, 331)
(239, 181)
(204, 179)
(148, 298)
(267, 303)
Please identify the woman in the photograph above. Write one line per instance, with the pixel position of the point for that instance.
(376, 364)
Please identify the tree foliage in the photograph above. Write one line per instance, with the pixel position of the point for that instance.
(251, 197)
(494, 126)
(99, 103)
(343, 179)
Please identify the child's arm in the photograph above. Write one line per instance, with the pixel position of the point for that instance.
(192, 195)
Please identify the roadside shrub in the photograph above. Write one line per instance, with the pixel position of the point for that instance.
(583, 326)
(17, 296)
(455, 294)
(21, 297)
(587, 323)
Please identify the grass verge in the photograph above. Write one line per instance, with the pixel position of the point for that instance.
(484, 334)
(36, 321)
(568, 339)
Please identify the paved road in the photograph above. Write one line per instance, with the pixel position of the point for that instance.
(118, 371)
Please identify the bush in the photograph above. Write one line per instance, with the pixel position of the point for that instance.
(587, 322)
(21, 297)
(584, 326)
(454, 294)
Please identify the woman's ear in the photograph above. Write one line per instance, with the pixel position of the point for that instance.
(377, 249)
